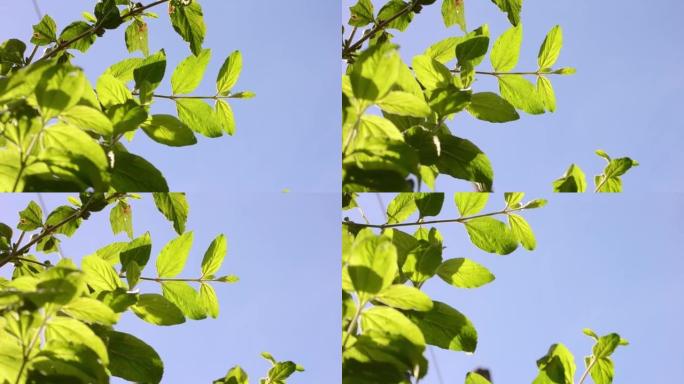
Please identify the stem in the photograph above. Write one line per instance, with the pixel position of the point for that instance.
(599, 185)
(31, 261)
(458, 220)
(32, 343)
(163, 279)
(586, 371)
(353, 324)
(378, 27)
(33, 54)
(65, 44)
(524, 73)
(175, 97)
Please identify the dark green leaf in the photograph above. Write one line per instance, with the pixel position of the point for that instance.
(188, 21)
(157, 310)
(168, 130)
(174, 207)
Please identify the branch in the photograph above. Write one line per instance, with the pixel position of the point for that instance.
(524, 73)
(163, 279)
(378, 27)
(65, 44)
(176, 97)
(586, 371)
(458, 220)
(50, 229)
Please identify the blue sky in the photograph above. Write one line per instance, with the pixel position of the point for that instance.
(285, 136)
(625, 97)
(611, 263)
(284, 248)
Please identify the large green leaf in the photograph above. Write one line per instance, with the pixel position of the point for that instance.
(404, 104)
(185, 298)
(522, 230)
(447, 328)
(174, 206)
(464, 273)
(489, 106)
(156, 309)
(491, 235)
(573, 180)
(59, 90)
(506, 50)
(90, 311)
(132, 359)
(199, 116)
(404, 297)
(512, 9)
(112, 91)
(188, 21)
(556, 367)
(389, 321)
(188, 74)
(65, 329)
(45, 32)
(168, 130)
(453, 12)
(372, 265)
(421, 262)
(521, 94)
(401, 208)
(89, 119)
(429, 204)
(133, 173)
(173, 256)
(225, 117)
(375, 72)
(431, 73)
(470, 203)
(137, 37)
(361, 13)
(99, 274)
(461, 159)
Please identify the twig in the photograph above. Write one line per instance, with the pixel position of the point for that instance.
(458, 220)
(378, 27)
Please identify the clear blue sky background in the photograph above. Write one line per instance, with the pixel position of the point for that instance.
(284, 248)
(286, 137)
(610, 263)
(625, 97)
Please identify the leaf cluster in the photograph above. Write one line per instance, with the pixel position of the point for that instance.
(57, 320)
(610, 180)
(58, 132)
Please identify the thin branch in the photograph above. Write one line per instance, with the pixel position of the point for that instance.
(163, 279)
(586, 371)
(176, 97)
(24, 259)
(353, 324)
(65, 44)
(458, 220)
(44, 207)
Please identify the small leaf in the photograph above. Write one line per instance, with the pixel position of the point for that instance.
(491, 235)
(521, 94)
(361, 13)
(45, 32)
(112, 91)
(522, 230)
(401, 208)
(207, 296)
(429, 204)
(573, 180)
(120, 218)
(229, 73)
(475, 378)
(404, 297)
(506, 50)
(78, 29)
(213, 257)
(31, 218)
(470, 203)
(453, 12)
(489, 106)
(185, 298)
(446, 328)
(168, 130)
(172, 258)
(99, 274)
(546, 93)
(404, 104)
(137, 37)
(431, 73)
(174, 206)
(550, 48)
(90, 311)
(224, 116)
(188, 22)
(199, 116)
(89, 119)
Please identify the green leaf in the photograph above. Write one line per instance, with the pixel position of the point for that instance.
(453, 12)
(88, 119)
(372, 265)
(137, 251)
(123, 70)
(401, 208)
(235, 375)
(126, 117)
(77, 29)
(375, 72)
(603, 371)
(546, 93)
(157, 310)
(522, 231)
(60, 90)
(429, 204)
(132, 359)
(99, 274)
(489, 106)
(59, 215)
(464, 273)
(112, 91)
(68, 330)
(389, 321)
(404, 297)
(606, 345)
(470, 203)
(573, 180)
(185, 298)
(133, 173)
(213, 257)
(199, 116)
(461, 159)
(207, 296)
(550, 48)
(475, 378)
(512, 9)
(506, 50)
(491, 235)
(188, 74)
(422, 261)
(31, 218)
(168, 130)
(133, 272)
(188, 22)
(521, 94)
(107, 14)
(556, 367)
(137, 37)
(392, 8)
(472, 50)
(446, 328)
(172, 258)
(609, 180)
(45, 32)
(90, 311)
(361, 13)
(447, 101)
(404, 104)
(174, 206)
(224, 116)
(229, 73)
(120, 218)
(149, 74)
(513, 199)
(431, 73)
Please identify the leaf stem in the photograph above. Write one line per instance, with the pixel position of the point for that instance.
(458, 220)
(163, 279)
(354, 323)
(176, 97)
(586, 371)
(65, 44)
